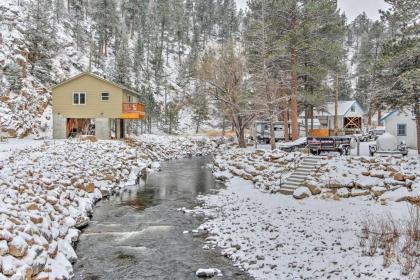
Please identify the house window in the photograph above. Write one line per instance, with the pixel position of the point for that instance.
(352, 109)
(401, 130)
(79, 98)
(105, 96)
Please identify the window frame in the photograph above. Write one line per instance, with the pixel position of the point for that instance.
(102, 96)
(398, 129)
(79, 93)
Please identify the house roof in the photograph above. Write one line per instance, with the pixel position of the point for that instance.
(329, 108)
(96, 77)
(387, 115)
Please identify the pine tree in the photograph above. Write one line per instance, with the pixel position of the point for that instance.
(401, 59)
(200, 107)
(260, 46)
(123, 61)
(40, 37)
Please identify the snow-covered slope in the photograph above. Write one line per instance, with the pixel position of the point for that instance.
(44, 42)
(25, 101)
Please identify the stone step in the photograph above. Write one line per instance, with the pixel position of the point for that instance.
(297, 177)
(286, 190)
(300, 171)
(294, 181)
(292, 184)
(307, 165)
(304, 169)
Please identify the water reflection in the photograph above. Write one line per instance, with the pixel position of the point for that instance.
(139, 234)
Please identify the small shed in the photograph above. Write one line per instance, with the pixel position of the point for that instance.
(402, 124)
(350, 116)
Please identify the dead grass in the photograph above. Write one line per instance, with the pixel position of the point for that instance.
(219, 133)
(396, 241)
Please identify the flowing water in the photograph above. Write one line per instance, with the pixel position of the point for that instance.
(138, 234)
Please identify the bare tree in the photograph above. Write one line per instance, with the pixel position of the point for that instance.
(224, 75)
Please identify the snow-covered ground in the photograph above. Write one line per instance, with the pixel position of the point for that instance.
(48, 189)
(276, 237)
(273, 236)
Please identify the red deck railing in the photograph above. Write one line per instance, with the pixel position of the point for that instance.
(133, 108)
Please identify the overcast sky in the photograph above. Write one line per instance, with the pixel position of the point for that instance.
(352, 8)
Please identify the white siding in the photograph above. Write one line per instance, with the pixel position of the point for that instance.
(406, 118)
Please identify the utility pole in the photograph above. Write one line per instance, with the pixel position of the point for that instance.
(337, 92)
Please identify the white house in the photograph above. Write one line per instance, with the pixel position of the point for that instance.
(402, 124)
(350, 115)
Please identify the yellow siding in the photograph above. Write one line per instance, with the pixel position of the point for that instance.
(62, 99)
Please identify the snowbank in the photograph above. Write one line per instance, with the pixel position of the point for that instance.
(272, 236)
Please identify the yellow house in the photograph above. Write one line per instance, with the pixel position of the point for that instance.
(90, 105)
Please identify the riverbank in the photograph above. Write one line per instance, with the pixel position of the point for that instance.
(274, 236)
(48, 191)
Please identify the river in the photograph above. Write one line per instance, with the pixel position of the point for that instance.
(138, 234)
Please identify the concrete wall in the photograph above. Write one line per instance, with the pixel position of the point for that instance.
(406, 118)
(103, 128)
(59, 126)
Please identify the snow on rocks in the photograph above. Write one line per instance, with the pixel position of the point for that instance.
(208, 272)
(363, 176)
(334, 177)
(302, 192)
(266, 169)
(47, 194)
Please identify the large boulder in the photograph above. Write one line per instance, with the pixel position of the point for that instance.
(313, 187)
(359, 192)
(378, 191)
(343, 192)
(18, 247)
(399, 177)
(301, 192)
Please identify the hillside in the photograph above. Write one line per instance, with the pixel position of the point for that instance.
(149, 46)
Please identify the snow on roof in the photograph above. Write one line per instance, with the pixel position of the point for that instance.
(329, 108)
(387, 115)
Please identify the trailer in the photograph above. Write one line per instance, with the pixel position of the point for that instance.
(340, 144)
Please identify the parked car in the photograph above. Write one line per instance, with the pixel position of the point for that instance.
(387, 144)
(371, 135)
(341, 144)
(262, 131)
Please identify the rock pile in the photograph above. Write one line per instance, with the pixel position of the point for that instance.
(267, 169)
(396, 179)
(47, 195)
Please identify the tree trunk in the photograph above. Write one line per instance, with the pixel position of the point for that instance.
(224, 126)
(312, 117)
(336, 107)
(241, 138)
(379, 117)
(306, 122)
(293, 99)
(286, 125)
(197, 127)
(369, 118)
(418, 127)
(272, 133)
